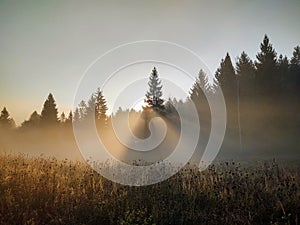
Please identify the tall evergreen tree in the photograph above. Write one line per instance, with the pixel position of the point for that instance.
(200, 86)
(154, 94)
(91, 105)
(82, 109)
(267, 76)
(295, 60)
(76, 118)
(225, 75)
(245, 72)
(199, 91)
(6, 122)
(198, 94)
(283, 69)
(62, 118)
(100, 106)
(49, 112)
(33, 122)
(227, 80)
(70, 118)
(294, 72)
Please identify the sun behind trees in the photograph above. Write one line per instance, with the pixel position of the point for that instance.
(261, 95)
(154, 94)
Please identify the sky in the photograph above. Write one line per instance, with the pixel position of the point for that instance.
(46, 46)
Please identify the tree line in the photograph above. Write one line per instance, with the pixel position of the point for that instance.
(261, 96)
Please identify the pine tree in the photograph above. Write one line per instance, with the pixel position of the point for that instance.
(82, 110)
(227, 80)
(33, 122)
(91, 105)
(245, 72)
(295, 60)
(49, 112)
(76, 116)
(100, 106)
(225, 75)
(283, 69)
(6, 122)
(153, 96)
(69, 120)
(294, 72)
(267, 76)
(62, 118)
(200, 87)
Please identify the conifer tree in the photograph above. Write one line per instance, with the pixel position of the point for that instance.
(245, 72)
(294, 73)
(82, 110)
(100, 106)
(200, 87)
(69, 120)
(33, 121)
(76, 116)
(267, 76)
(154, 94)
(49, 112)
(6, 122)
(225, 75)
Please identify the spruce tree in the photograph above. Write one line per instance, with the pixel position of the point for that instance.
(82, 109)
(283, 69)
(62, 118)
(49, 112)
(294, 73)
(69, 120)
(91, 105)
(227, 80)
(100, 106)
(76, 116)
(154, 94)
(225, 75)
(200, 87)
(295, 60)
(33, 122)
(245, 72)
(6, 122)
(267, 76)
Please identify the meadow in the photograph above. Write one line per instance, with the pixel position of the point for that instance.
(40, 190)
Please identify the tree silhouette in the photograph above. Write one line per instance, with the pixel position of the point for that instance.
(76, 118)
(198, 93)
(100, 107)
(225, 75)
(154, 94)
(69, 120)
(6, 122)
(283, 69)
(245, 72)
(295, 60)
(49, 112)
(227, 80)
(267, 75)
(294, 72)
(82, 110)
(62, 118)
(33, 122)
(90, 107)
(200, 87)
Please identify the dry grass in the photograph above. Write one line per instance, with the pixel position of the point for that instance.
(48, 191)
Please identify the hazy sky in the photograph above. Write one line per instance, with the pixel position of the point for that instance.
(45, 46)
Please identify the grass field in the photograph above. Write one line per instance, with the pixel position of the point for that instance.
(49, 191)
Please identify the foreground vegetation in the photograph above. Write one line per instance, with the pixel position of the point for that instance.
(49, 191)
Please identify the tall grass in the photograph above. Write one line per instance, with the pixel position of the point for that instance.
(49, 191)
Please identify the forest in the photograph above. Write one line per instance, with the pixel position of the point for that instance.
(262, 104)
(253, 180)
